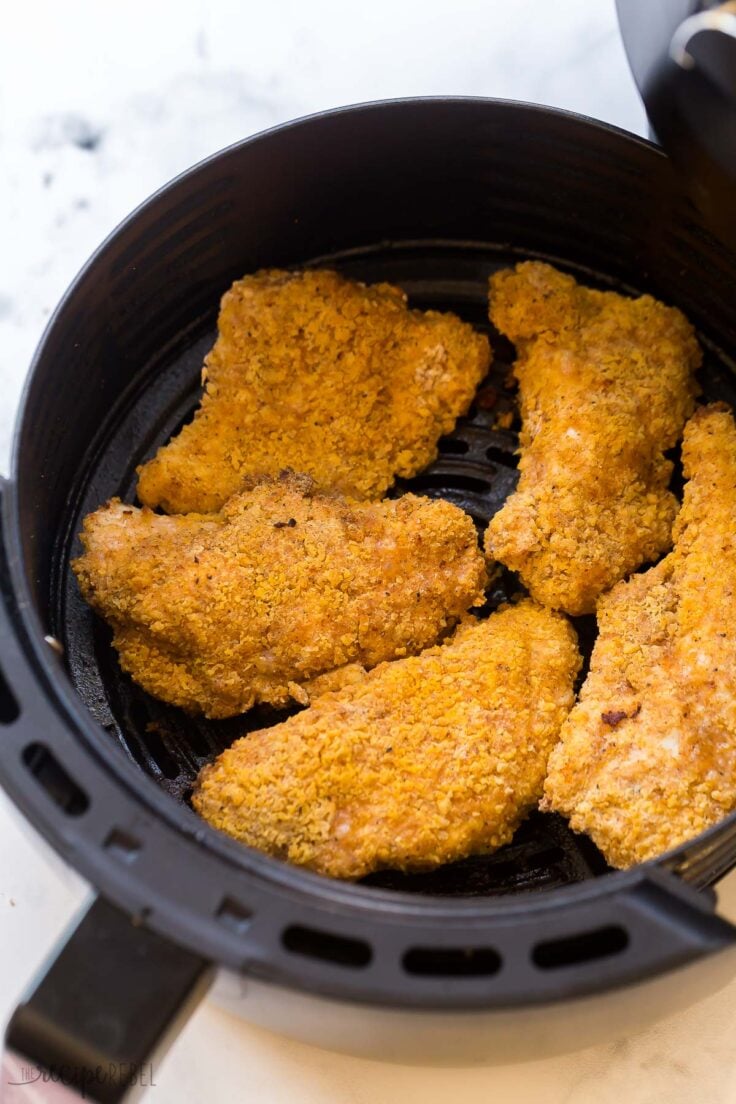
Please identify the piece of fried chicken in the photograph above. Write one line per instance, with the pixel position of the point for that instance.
(315, 372)
(606, 384)
(217, 612)
(421, 762)
(647, 758)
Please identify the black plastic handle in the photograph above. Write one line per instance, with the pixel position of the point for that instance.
(114, 997)
(117, 992)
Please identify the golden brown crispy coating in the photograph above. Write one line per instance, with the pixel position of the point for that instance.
(647, 758)
(317, 373)
(606, 384)
(421, 762)
(217, 612)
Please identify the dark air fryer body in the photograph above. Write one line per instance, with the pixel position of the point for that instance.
(683, 58)
(433, 194)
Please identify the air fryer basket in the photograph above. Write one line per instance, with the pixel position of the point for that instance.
(476, 470)
(433, 195)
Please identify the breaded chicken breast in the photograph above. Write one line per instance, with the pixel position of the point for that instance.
(315, 372)
(606, 384)
(285, 585)
(647, 758)
(420, 762)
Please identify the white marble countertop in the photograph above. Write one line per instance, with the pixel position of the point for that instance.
(99, 105)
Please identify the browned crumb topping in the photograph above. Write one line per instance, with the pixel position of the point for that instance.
(315, 372)
(283, 593)
(606, 384)
(418, 763)
(665, 664)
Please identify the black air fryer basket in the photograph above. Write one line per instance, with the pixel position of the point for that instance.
(432, 195)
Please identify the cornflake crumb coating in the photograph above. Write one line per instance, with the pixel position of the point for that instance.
(606, 384)
(647, 759)
(315, 372)
(420, 762)
(285, 593)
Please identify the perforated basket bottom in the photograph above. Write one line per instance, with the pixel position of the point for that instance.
(476, 469)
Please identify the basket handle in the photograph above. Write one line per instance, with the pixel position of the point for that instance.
(115, 996)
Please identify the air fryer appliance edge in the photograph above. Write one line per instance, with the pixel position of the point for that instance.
(683, 58)
(433, 194)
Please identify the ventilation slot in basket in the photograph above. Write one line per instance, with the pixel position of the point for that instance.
(234, 916)
(122, 845)
(576, 949)
(338, 949)
(9, 708)
(452, 962)
(49, 773)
